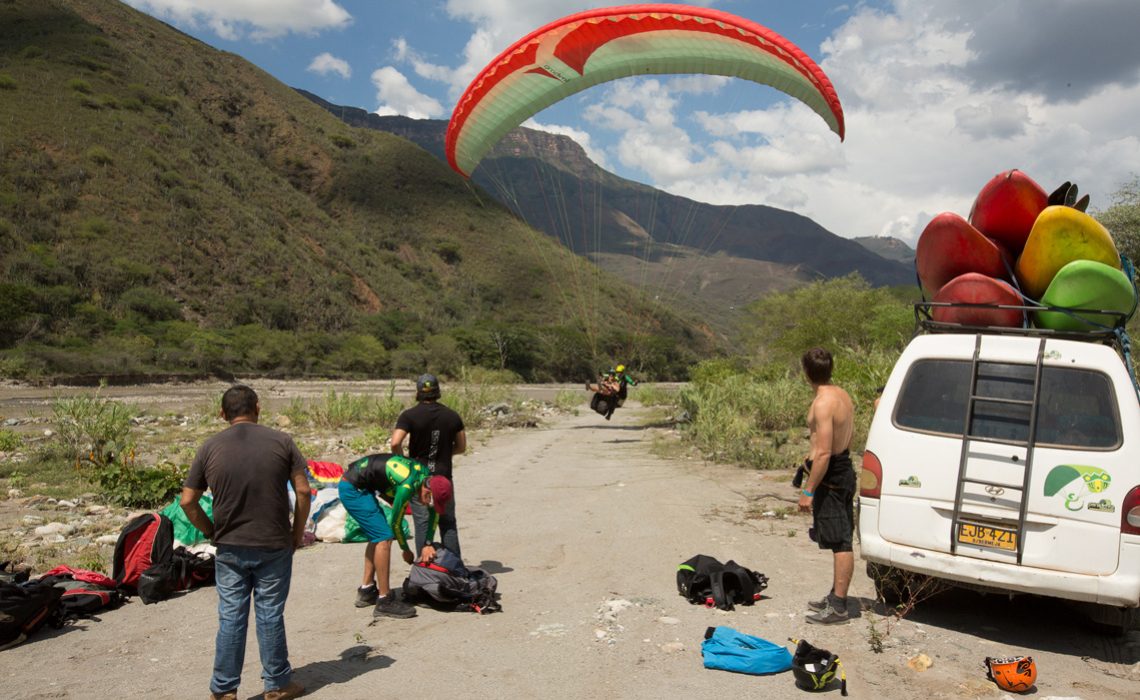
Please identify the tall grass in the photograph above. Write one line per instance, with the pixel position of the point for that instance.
(474, 392)
(751, 409)
(341, 410)
(654, 395)
(94, 437)
(570, 400)
(744, 418)
(91, 428)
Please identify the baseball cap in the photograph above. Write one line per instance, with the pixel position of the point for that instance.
(441, 492)
(427, 386)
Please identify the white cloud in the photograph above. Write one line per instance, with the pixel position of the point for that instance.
(923, 134)
(260, 19)
(404, 53)
(397, 96)
(1002, 120)
(326, 63)
(698, 84)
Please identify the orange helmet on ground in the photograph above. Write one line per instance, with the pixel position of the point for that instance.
(1016, 674)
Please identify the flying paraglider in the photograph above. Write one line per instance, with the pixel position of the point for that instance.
(596, 46)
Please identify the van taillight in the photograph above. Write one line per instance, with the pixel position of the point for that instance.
(871, 478)
(1130, 519)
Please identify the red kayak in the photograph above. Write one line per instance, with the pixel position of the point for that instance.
(949, 246)
(975, 288)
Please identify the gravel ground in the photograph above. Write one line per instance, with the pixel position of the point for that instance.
(584, 528)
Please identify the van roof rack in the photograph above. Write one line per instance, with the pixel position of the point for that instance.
(924, 322)
(1116, 336)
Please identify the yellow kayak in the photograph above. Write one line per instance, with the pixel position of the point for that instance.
(1059, 236)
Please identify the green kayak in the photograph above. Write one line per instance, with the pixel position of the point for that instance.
(1087, 285)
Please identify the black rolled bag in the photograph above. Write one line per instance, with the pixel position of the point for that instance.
(703, 580)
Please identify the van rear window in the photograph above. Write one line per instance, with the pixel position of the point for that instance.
(1076, 408)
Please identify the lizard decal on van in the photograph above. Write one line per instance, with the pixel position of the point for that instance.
(1103, 505)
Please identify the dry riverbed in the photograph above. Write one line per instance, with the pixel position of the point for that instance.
(583, 522)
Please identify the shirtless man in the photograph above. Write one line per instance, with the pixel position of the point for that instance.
(829, 490)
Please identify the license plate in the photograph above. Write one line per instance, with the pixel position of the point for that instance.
(986, 536)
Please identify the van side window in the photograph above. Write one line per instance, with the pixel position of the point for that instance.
(1076, 408)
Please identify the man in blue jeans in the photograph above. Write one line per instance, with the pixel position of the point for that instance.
(248, 468)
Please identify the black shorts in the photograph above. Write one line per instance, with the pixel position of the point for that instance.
(833, 506)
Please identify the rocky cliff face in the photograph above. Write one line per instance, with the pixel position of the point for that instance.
(561, 151)
(888, 247)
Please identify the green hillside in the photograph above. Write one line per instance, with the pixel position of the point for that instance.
(169, 208)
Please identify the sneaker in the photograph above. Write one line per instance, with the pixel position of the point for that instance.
(366, 595)
(388, 606)
(830, 615)
(293, 690)
(818, 605)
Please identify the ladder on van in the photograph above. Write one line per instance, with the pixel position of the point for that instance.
(969, 438)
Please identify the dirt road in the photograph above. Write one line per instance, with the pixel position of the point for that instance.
(584, 529)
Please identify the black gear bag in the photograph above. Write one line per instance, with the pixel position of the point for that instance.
(703, 580)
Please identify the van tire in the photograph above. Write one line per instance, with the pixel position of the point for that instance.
(1111, 620)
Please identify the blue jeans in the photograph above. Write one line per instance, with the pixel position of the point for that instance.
(448, 532)
(265, 574)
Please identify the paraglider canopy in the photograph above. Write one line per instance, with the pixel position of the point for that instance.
(596, 46)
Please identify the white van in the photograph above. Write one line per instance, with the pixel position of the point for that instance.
(1008, 463)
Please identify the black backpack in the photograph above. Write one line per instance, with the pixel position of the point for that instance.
(12, 572)
(601, 403)
(703, 580)
(182, 571)
(449, 585)
(144, 542)
(24, 608)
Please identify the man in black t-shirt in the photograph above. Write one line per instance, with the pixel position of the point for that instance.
(434, 433)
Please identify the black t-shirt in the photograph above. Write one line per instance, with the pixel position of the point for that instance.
(431, 428)
(248, 468)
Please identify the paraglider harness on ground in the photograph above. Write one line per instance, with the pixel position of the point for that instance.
(703, 580)
(816, 669)
(447, 584)
(59, 596)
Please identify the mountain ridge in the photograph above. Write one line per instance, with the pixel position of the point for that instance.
(165, 207)
(526, 160)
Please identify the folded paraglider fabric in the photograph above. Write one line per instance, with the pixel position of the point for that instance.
(729, 650)
(185, 533)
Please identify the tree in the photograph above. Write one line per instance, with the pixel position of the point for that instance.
(1122, 218)
(844, 312)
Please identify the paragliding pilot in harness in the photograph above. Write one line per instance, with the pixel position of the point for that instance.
(611, 390)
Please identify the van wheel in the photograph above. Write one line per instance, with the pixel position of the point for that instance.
(891, 585)
(1110, 620)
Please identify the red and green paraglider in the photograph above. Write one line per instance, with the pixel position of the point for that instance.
(596, 46)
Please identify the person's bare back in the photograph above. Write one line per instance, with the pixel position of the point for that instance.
(831, 419)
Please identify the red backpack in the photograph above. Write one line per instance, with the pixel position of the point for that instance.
(145, 541)
(85, 593)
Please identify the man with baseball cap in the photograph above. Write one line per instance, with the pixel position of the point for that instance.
(399, 481)
(434, 433)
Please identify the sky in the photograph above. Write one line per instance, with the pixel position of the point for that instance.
(938, 95)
